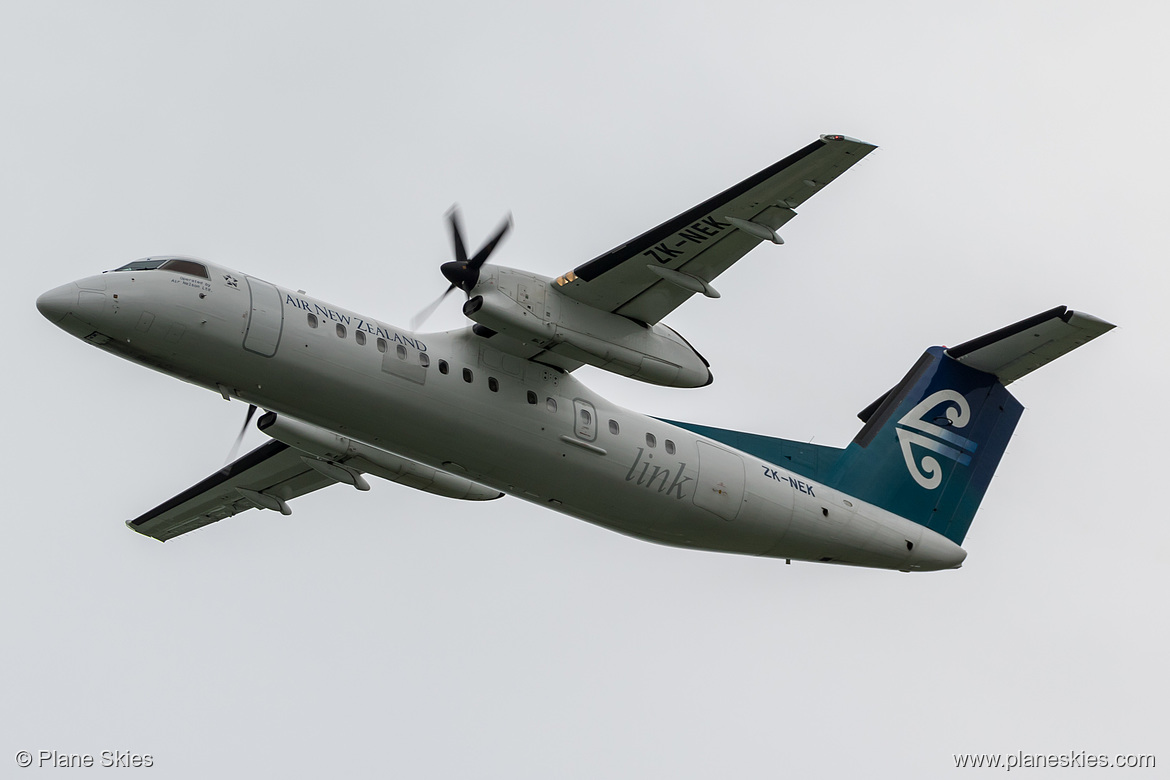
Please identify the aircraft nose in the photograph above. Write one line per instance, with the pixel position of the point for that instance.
(58, 302)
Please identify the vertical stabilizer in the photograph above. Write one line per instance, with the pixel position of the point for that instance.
(929, 448)
(931, 444)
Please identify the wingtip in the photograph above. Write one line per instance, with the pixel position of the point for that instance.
(838, 137)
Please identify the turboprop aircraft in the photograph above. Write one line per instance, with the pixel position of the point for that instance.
(495, 408)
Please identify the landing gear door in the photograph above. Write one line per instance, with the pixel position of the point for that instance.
(584, 420)
(720, 485)
(265, 320)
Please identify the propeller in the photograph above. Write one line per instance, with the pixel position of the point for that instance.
(462, 272)
(239, 439)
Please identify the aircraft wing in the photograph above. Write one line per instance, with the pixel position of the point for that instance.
(267, 477)
(651, 275)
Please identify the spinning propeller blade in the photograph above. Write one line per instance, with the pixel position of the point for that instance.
(239, 439)
(424, 315)
(462, 272)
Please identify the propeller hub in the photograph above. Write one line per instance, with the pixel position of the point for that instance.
(460, 274)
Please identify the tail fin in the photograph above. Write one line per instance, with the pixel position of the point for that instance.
(930, 446)
(928, 450)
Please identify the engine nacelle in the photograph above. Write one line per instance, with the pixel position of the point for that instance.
(529, 309)
(341, 450)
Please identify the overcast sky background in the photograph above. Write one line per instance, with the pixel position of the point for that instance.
(1022, 166)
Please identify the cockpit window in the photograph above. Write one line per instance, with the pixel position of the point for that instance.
(189, 267)
(176, 264)
(149, 264)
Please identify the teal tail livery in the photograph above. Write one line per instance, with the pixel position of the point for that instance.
(929, 446)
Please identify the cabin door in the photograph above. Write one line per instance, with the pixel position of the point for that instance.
(720, 485)
(265, 320)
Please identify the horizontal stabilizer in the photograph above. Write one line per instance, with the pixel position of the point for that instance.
(1010, 353)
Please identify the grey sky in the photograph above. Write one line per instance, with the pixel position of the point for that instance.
(394, 632)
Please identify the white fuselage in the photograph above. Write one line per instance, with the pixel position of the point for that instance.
(453, 402)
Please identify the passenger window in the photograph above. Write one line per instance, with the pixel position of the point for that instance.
(401, 350)
(340, 331)
(669, 447)
(443, 367)
(467, 375)
(381, 344)
(613, 427)
(359, 337)
(586, 418)
(312, 320)
(424, 359)
(493, 385)
(531, 397)
(651, 441)
(551, 403)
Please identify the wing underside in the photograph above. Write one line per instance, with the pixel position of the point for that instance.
(651, 275)
(267, 477)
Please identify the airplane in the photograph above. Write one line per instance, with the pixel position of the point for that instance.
(495, 409)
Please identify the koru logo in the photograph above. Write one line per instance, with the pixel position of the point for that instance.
(231, 281)
(936, 435)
